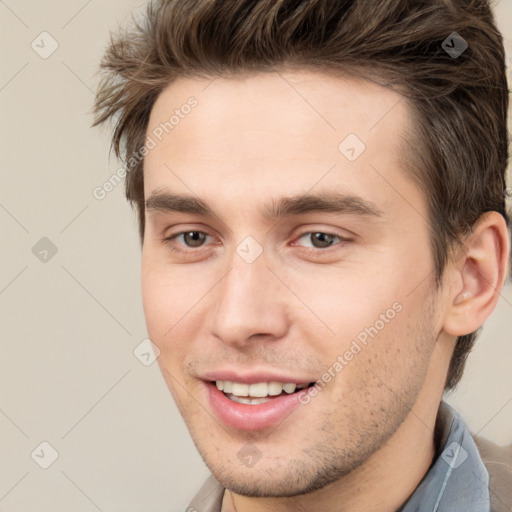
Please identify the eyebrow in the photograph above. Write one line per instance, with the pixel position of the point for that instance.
(328, 202)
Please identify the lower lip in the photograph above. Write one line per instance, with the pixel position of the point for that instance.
(252, 417)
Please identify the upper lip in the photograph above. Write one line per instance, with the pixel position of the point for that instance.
(253, 377)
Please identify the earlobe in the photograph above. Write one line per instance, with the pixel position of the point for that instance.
(482, 270)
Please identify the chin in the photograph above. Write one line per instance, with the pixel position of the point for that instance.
(267, 482)
(265, 488)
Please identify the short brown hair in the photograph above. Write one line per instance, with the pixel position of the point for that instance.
(458, 152)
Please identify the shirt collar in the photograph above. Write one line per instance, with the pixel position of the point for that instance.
(457, 480)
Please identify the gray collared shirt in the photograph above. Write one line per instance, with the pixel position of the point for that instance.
(457, 480)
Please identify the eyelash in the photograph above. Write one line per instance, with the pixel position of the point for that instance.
(308, 250)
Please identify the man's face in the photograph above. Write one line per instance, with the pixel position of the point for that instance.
(343, 297)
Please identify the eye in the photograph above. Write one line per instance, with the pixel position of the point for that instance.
(190, 239)
(321, 240)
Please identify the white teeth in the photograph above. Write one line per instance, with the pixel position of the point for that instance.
(248, 401)
(240, 389)
(289, 387)
(275, 388)
(257, 390)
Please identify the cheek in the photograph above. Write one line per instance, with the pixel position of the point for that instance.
(385, 374)
(344, 300)
(171, 301)
(162, 310)
(373, 321)
(154, 301)
(165, 293)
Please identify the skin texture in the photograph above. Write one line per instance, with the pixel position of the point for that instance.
(366, 440)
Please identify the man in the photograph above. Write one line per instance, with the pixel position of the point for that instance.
(321, 195)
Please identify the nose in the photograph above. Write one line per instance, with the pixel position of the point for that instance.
(249, 305)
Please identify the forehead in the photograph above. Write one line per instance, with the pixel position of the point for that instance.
(305, 103)
(264, 132)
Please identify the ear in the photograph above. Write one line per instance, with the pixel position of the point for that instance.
(479, 275)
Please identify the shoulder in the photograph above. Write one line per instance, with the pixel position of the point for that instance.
(498, 461)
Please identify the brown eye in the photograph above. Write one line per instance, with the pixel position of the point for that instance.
(186, 239)
(319, 239)
(193, 238)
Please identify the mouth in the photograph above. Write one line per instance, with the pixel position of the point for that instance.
(258, 392)
(256, 400)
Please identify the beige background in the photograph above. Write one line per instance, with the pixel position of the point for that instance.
(70, 325)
